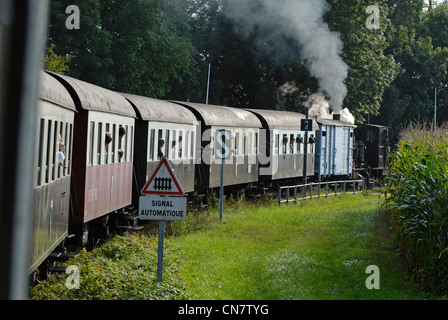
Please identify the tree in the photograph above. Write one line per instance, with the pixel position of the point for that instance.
(141, 47)
(435, 25)
(55, 63)
(372, 69)
(88, 48)
(422, 65)
(151, 47)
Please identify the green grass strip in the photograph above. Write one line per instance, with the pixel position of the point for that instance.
(316, 250)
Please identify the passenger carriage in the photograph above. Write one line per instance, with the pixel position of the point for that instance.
(102, 156)
(54, 135)
(163, 130)
(283, 153)
(241, 165)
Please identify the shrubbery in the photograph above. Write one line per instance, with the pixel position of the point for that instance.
(124, 268)
(417, 197)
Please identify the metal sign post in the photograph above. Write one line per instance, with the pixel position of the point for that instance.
(222, 152)
(158, 203)
(306, 125)
(160, 251)
(221, 189)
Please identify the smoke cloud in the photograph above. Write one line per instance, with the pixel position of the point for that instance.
(319, 107)
(301, 21)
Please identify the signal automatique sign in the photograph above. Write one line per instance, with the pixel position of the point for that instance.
(162, 199)
(163, 208)
(162, 196)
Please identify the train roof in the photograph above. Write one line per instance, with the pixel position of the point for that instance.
(213, 115)
(372, 125)
(276, 119)
(332, 122)
(151, 109)
(53, 91)
(91, 97)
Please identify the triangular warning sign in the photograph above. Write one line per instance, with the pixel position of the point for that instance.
(163, 181)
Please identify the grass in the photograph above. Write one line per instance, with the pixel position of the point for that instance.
(315, 250)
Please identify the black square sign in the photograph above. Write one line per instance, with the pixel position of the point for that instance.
(306, 124)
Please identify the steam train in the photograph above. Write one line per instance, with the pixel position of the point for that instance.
(96, 148)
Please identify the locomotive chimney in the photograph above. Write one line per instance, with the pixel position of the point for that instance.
(336, 116)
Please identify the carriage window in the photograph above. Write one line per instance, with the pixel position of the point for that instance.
(55, 148)
(160, 144)
(311, 141)
(180, 144)
(167, 144)
(108, 139)
(244, 146)
(100, 140)
(187, 143)
(58, 141)
(284, 143)
(114, 138)
(121, 134)
(291, 143)
(192, 145)
(92, 142)
(250, 143)
(69, 149)
(125, 144)
(65, 139)
(174, 145)
(131, 144)
(299, 142)
(276, 143)
(47, 158)
(40, 154)
(151, 144)
(256, 143)
(237, 143)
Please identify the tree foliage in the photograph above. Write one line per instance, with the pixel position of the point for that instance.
(371, 68)
(55, 63)
(416, 41)
(163, 48)
(89, 47)
(140, 46)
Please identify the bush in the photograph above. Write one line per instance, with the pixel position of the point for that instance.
(124, 268)
(417, 199)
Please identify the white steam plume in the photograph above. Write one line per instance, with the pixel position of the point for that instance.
(319, 107)
(302, 21)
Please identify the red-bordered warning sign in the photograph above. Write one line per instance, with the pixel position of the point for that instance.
(163, 181)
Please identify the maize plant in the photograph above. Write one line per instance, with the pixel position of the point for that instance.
(417, 201)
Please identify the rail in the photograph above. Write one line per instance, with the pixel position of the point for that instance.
(357, 186)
